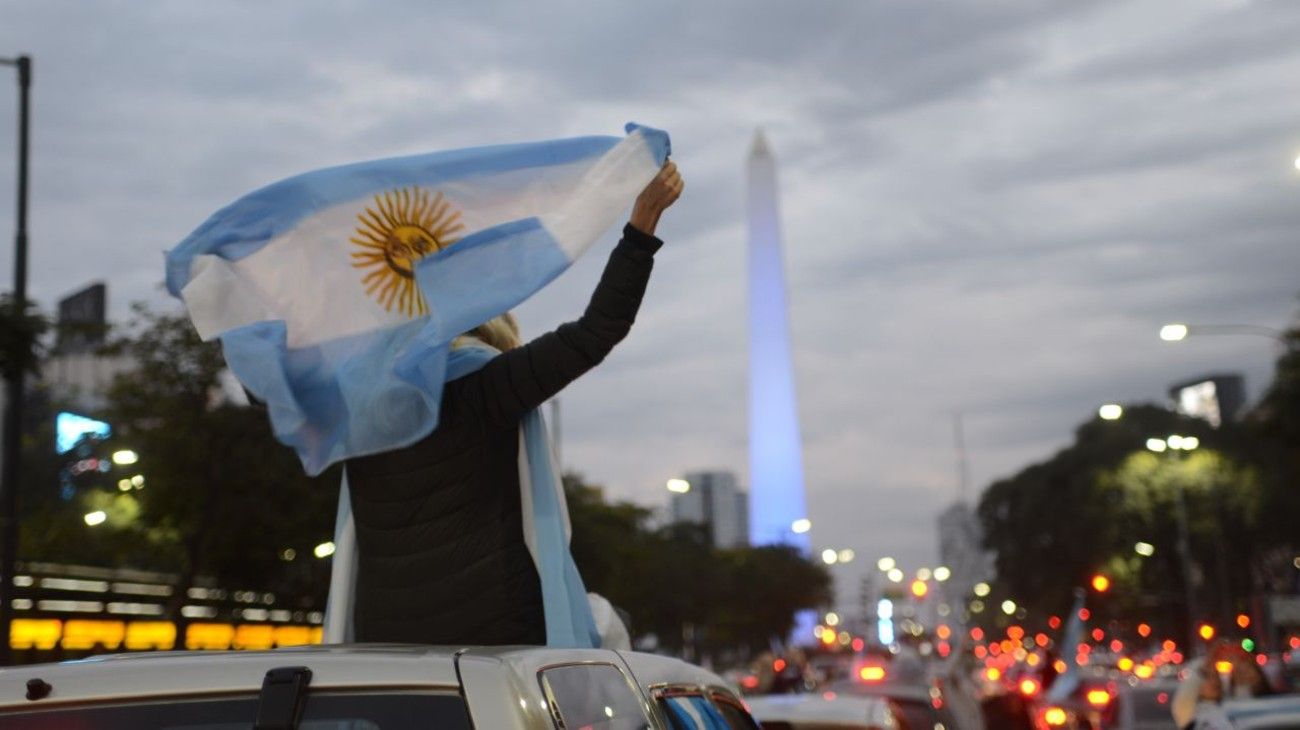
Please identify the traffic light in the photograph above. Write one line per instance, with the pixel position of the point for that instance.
(1100, 583)
(919, 588)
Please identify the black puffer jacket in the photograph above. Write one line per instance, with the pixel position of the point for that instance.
(441, 556)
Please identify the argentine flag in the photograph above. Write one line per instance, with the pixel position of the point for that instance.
(336, 293)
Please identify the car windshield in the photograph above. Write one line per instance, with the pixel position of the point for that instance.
(336, 711)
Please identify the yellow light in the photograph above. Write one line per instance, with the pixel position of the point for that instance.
(35, 633)
(1032, 660)
(1206, 631)
(1028, 687)
(254, 636)
(1100, 583)
(143, 635)
(828, 637)
(871, 673)
(1059, 666)
(1055, 716)
(1144, 671)
(993, 674)
(324, 550)
(1243, 620)
(1098, 697)
(1173, 332)
(292, 635)
(1223, 667)
(87, 633)
(1125, 664)
(209, 636)
(919, 588)
(679, 486)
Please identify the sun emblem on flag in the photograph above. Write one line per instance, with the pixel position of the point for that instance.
(402, 227)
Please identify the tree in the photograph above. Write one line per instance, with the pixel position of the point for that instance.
(21, 329)
(692, 597)
(222, 497)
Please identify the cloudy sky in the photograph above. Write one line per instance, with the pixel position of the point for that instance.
(989, 207)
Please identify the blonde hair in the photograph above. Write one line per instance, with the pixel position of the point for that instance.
(501, 333)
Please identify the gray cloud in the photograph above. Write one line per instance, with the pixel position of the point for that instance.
(988, 207)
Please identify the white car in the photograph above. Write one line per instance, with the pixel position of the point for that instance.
(824, 711)
(371, 687)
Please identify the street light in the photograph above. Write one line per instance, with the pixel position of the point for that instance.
(830, 557)
(800, 526)
(95, 518)
(125, 457)
(1177, 443)
(14, 405)
(1110, 412)
(1178, 332)
(679, 486)
(885, 564)
(1145, 549)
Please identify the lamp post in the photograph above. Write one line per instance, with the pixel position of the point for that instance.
(1182, 443)
(1177, 332)
(14, 402)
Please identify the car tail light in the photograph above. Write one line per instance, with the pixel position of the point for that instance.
(1098, 697)
(871, 673)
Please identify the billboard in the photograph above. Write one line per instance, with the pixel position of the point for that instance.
(69, 428)
(1214, 398)
(82, 321)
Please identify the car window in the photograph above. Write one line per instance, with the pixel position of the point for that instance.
(694, 712)
(594, 696)
(336, 711)
(734, 712)
(918, 715)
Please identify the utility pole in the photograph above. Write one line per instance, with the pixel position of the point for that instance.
(14, 401)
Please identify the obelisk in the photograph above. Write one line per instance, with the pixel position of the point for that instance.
(777, 513)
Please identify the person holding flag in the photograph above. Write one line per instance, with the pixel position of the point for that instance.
(367, 307)
(442, 559)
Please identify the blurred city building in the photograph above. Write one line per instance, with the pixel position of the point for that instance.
(715, 501)
(961, 549)
(1218, 398)
(778, 513)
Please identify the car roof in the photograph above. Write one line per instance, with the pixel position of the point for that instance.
(1270, 707)
(855, 711)
(141, 675)
(334, 666)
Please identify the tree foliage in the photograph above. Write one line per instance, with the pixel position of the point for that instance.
(1054, 524)
(220, 496)
(676, 586)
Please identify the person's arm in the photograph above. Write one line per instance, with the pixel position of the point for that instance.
(515, 382)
